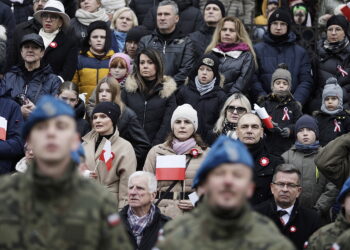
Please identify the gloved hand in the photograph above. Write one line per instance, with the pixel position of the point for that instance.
(285, 132)
(275, 128)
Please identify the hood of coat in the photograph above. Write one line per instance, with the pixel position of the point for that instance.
(291, 39)
(3, 33)
(79, 109)
(167, 89)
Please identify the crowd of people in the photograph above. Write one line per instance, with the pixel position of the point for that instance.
(174, 124)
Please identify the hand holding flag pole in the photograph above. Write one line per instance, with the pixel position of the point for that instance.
(265, 117)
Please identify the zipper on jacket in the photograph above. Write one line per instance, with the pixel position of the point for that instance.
(144, 115)
(164, 47)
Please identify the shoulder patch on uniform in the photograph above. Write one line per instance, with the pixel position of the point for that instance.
(113, 219)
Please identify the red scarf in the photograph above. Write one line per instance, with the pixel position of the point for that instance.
(227, 47)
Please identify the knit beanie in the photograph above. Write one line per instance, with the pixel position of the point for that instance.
(185, 111)
(217, 3)
(211, 61)
(282, 72)
(135, 34)
(111, 109)
(280, 15)
(332, 88)
(307, 121)
(126, 58)
(339, 20)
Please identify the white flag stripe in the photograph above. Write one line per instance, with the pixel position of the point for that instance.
(108, 150)
(3, 123)
(171, 161)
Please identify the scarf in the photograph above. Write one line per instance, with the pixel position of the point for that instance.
(120, 37)
(48, 37)
(307, 148)
(282, 93)
(85, 17)
(337, 46)
(204, 88)
(331, 112)
(181, 147)
(229, 129)
(138, 224)
(227, 47)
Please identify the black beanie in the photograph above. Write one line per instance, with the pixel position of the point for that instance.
(280, 15)
(110, 109)
(307, 121)
(339, 20)
(219, 4)
(210, 60)
(135, 34)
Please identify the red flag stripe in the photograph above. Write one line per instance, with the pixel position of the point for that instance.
(170, 174)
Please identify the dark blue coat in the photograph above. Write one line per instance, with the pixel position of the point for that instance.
(270, 54)
(12, 148)
(43, 82)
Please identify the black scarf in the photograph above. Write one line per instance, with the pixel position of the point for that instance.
(335, 47)
(228, 126)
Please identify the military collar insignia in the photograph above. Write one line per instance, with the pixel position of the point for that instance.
(208, 61)
(293, 229)
(264, 161)
(53, 45)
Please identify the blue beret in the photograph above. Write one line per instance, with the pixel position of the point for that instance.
(46, 108)
(344, 191)
(224, 150)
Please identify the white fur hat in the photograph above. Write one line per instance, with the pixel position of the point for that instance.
(185, 111)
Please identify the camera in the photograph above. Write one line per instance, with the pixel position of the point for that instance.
(21, 99)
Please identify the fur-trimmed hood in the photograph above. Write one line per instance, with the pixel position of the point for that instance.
(168, 88)
(3, 35)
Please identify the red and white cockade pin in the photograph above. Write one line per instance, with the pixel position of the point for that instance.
(53, 45)
(194, 152)
(293, 229)
(264, 161)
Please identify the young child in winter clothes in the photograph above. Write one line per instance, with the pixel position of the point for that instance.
(284, 110)
(120, 67)
(332, 119)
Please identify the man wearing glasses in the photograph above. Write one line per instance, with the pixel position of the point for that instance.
(295, 222)
(250, 132)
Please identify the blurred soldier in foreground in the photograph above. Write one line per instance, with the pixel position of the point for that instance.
(224, 220)
(50, 206)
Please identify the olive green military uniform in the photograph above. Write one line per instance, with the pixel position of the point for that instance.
(39, 212)
(342, 242)
(205, 229)
(327, 235)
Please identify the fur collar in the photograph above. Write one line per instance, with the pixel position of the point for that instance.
(169, 86)
(3, 33)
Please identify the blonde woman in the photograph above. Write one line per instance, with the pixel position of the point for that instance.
(235, 106)
(231, 43)
(122, 21)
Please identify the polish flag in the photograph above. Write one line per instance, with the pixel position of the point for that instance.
(107, 155)
(346, 11)
(170, 167)
(3, 128)
(263, 115)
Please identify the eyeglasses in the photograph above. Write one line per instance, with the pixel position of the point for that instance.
(49, 16)
(239, 110)
(289, 185)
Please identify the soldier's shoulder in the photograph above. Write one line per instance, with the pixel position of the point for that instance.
(328, 231)
(180, 224)
(10, 182)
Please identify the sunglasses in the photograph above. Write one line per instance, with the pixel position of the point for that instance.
(49, 16)
(239, 110)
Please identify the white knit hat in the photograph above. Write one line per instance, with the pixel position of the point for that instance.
(185, 111)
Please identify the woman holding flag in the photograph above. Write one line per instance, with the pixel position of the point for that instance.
(108, 156)
(176, 161)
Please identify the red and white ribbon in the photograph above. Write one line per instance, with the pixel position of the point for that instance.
(285, 114)
(336, 126)
(342, 71)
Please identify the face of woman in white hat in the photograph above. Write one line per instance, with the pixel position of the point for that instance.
(51, 22)
(183, 129)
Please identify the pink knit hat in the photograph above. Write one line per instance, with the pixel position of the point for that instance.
(126, 58)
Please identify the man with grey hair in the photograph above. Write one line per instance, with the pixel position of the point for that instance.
(295, 222)
(169, 40)
(141, 217)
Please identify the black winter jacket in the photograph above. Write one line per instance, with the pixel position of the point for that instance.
(11, 150)
(207, 106)
(191, 18)
(238, 68)
(142, 7)
(130, 129)
(302, 223)
(22, 29)
(150, 233)
(64, 57)
(177, 53)
(326, 67)
(201, 39)
(265, 165)
(269, 54)
(154, 112)
(43, 82)
(21, 11)
(278, 108)
(83, 125)
(326, 125)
